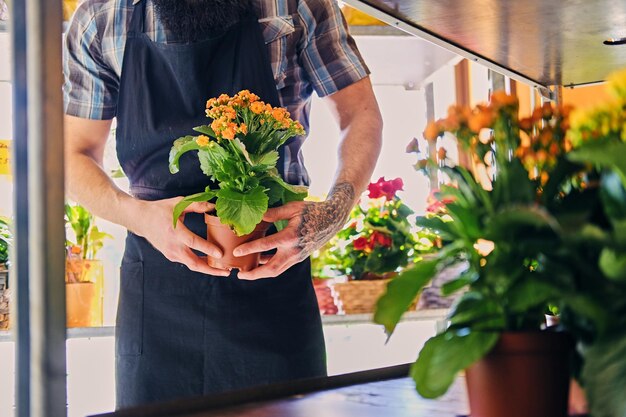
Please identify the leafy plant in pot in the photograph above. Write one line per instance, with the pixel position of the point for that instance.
(376, 241)
(238, 152)
(594, 252)
(84, 273)
(504, 226)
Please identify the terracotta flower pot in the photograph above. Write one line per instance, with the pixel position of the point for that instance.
(84, 292)
(525, 375)
(221, 235)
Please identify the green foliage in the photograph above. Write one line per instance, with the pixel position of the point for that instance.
(241, 157)
(377, 239)
(88, 238)
(6, 237)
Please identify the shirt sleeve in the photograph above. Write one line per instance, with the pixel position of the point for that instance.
(329, 54)
(91, 86)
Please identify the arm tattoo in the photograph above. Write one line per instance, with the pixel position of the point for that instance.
(320, 221)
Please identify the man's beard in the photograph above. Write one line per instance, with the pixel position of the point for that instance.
(190, 20)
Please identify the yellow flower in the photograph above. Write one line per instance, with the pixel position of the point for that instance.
(617, 84)
(202, 140)
(432, 131)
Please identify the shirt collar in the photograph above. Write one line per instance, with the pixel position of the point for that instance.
(135, 2)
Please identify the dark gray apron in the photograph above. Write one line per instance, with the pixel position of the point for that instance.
(181, 333)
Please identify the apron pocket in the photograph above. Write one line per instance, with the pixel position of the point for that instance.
(129, 322)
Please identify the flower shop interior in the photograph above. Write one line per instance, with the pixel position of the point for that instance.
(489, 109)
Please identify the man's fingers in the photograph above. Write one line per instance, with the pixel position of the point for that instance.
(199, 207)
(197, 264)
(282, 212)
(193, 241)
(265, 259)
(260, 245)
(272, 269)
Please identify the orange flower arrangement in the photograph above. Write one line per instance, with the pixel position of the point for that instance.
(239, 151)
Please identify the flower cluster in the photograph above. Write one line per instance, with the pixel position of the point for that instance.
(378, 238)
(245, 112)
(383, 188)
(368, 244)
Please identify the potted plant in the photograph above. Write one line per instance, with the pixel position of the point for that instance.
(506, 226)
(238, 152)
(594, 251)
(374, 244)
(5, 242)
(84, 273)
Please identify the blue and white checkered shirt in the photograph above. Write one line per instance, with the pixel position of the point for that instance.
(307, 40)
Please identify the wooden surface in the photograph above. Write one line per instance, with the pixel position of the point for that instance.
(385, 392)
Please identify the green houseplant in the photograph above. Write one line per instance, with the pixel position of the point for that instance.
(238, 152)
(504, 226)
(5, 241)
(595, 253)
(84, 273)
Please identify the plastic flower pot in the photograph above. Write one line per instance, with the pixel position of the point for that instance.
(525, 375)
(222, 236)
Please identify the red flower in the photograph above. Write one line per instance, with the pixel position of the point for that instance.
(380, 239)
(384, 188)
(361, 243)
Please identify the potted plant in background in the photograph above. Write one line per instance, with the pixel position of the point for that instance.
(323, 280)
(505, 227)
(374, 244)
(238, 152)
(84, 273)
(5, 242)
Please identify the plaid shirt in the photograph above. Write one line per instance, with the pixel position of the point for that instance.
(307, 40)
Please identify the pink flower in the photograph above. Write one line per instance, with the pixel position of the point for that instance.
(384, 188)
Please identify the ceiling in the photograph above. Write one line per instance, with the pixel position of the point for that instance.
(542, 42)
(402, 60)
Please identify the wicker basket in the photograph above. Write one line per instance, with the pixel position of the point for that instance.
(360, 296)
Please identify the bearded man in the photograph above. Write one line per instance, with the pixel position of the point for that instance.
(184, 328)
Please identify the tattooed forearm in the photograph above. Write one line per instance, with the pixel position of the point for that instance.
(320, 221)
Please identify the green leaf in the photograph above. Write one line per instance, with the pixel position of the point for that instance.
(528, 293)
(436, 225)
(613, 264)
(476, 311)
(299, 190)
(604, 375)
(205, 130)
(241, 211)
(467, 278)
(401, 291)
(242, 148)
(268, 159)
(181, 146)
(519, 219)
(604, 154)
(445, 355)
(187, 201)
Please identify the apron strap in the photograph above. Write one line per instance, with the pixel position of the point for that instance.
(138, 19)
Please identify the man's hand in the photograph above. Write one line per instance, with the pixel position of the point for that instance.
(154, 223)
(310, 225)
